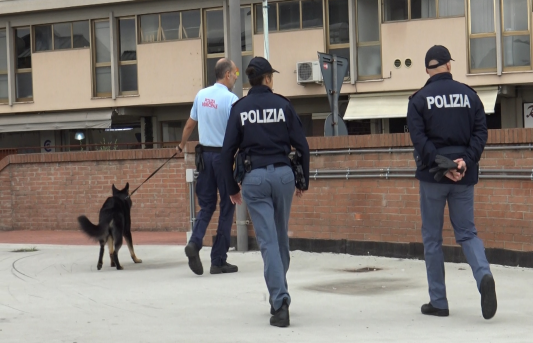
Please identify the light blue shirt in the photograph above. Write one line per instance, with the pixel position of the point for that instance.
(211, 109)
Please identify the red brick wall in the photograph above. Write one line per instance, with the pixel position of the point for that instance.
(48, 191)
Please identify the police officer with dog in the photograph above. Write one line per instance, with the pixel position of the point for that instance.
(448, 129)
(211, 109)
(263, 126)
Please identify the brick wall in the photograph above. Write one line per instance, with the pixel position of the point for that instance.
(48, 191)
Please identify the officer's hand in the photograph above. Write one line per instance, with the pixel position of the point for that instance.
(236, 199)
(299, 193)
(457, 174)
(179, 149)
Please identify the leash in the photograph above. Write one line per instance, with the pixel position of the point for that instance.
(135, 190)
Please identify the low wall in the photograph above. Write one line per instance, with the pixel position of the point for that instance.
(370, 215)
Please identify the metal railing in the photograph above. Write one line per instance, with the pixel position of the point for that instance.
(86, 147)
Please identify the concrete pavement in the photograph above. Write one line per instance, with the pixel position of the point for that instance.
(56, 294)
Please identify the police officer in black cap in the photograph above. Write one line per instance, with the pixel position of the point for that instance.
(263, 126)
(448, 129)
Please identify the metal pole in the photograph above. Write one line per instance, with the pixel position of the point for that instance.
(234, 14)
(265, 27)
(335, 121)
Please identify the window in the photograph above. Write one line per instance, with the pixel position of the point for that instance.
(290, 15)
(128, 57)
(214, 28)
(516, 35)
(368, 39)
(451, 8)
(338, 37)
(3, 67)
(246, 42)
(102, 59)
(169, 26)
(61, 36)
(214, 44)
(395, 10)
(23, 78)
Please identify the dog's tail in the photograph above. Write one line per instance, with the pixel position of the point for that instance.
(94, 231)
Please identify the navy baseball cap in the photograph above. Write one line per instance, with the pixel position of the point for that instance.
(260, 67)
(438, 53)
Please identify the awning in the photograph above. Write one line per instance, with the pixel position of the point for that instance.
(100, 119)
(394, 104)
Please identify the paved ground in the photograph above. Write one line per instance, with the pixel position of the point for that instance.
(55, 294)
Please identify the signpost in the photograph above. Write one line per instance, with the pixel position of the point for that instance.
(333, 70)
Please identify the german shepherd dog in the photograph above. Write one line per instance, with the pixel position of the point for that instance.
(114, 223)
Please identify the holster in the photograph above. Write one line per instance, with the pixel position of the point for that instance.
(199, 158)
(297, 169)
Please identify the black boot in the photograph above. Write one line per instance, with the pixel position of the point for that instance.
(433, 311)
(281, 316)
(193, 253)
(225, 268)
(489, 304)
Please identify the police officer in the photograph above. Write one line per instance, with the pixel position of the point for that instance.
(211, 109)
(446, 118)
(263, 126)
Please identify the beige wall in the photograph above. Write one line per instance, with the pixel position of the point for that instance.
(168, 73)
(286, 49)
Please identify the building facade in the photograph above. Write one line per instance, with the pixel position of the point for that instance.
(124, 71)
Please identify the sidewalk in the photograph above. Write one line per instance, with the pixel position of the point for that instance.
(79, 238)
(56, 294)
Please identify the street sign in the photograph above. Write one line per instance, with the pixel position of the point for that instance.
(326, 66)
(333, 70)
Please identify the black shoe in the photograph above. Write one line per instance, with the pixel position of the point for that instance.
(280, 317)
(272, 311)
(225, 268)
(193, 253)
(489, 304)
(433, 311)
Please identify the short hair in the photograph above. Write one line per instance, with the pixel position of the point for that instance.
(258, 80)
(222, 67)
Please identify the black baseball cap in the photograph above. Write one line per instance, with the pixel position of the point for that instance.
(261, 66)
(438, 53)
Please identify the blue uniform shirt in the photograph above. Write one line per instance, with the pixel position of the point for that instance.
(211, 109)
(447, 113)
(265, 125)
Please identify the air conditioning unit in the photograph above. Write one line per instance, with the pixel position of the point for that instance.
(308, 72)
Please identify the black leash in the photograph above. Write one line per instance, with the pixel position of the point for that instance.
(135, 190)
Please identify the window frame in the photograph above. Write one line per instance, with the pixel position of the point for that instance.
(245, 82)
(130, 62)
(330, 46)
(23, 70)
(4, 72)
(476, 36)
(371, 43)
(160, 28)
(208, 56)
(437, 14)
(516, 33)
(254, 17)
(96, 65)
(53, 40)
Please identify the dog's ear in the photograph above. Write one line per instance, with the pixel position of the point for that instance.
(127, 188)
(114, 189)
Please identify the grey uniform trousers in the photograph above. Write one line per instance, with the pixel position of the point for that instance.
(268, 195)
(433, 197)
